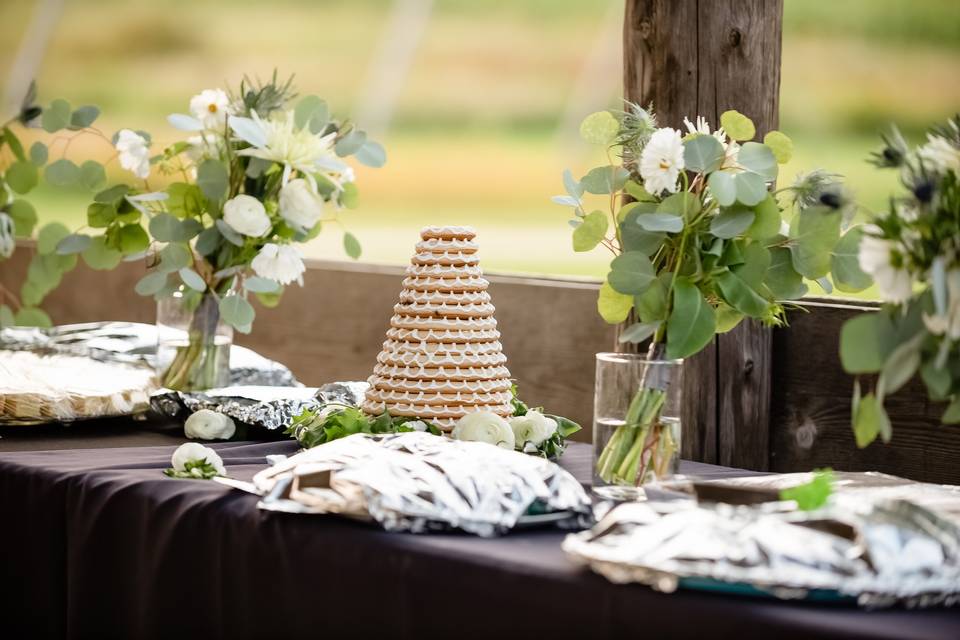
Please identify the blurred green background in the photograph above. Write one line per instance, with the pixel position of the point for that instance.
(487, 110)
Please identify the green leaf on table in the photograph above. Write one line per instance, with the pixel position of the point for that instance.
(613, 306)
(727, 318)
(371, 154)
(212, 178)
(631, 273)
(310, 110)
(601, 180)
(62, 173)
(591, 232)
(192, 279)
(732, 222)
(22, 176)
(702, 153)
(866, 341)
(49, 235)
(780, 144)
(692, 323)
(39, 153)
(767, 221)
(845, 263)
(151, 283)
(751, 188)
(683, 204)
(24, 217)
(813, 234)
(73, 243)
(759, 159)
(92, 175)
(599, 128)
(723, 186)
(350, 143)
(32, 317)
(83, 117)
(351, 245)
(175, 256)
(256, 284)
(237, 312)
(737, 126)
(639, 331)
(739, 295)
(101, 257)
(870, 421)
(133, 239)
(781, 278)
(900, 365)
(6, 316)
(811, 495)
(56, 116)
(654, 222)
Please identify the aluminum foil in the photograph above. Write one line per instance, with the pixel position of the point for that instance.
(268, 407)
(134, 343)
(876, 550)
(419, 482)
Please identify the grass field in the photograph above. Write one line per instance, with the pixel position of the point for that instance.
(479, 133)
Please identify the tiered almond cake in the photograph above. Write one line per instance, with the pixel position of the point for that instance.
(442, 359)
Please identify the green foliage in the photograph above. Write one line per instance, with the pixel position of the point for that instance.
(312, 428)
(193, 470)
(612, 305)
(22, 176)
(62, 173)
(590, 232)
(84, 116)
(212, 179)
(631, 273)
(351, 245)
(101, 257)
(845, 268)
(237, 312)
(24, 217)
(38, 153)
(692, 322)
(56, 116)
(599, 128)
(703, 154)
(780, 144)
(811, 495)
(813, 234)
(732, 222)
(737, 126)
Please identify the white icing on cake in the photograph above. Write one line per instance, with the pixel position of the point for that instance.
(429, 283)
(462, 233)
(483, 310)
(417, 322)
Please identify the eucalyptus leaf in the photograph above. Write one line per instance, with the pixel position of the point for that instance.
(39, 153)
(638, 332)
(311, 112)
(753, 269)
(32, 317)
(83, 117)
(570, 184)
(227, 232)
(781, 278)
(599, 128)
(613, 306)
(350, 196)
(683, 204)
(937, 379)
(780, 144)
(759, 159)
(132, 239)
(766, 224)
(207, 241)
(192, 279)
(651, 305)
(636, 191)
(62, 173)
(256, 284)
(814, 233)
(871, 420)
(601, 180)
(865, 342)
(692, 323)
(56, 116)
(237, 312)
(99, 256)
(900, 366)
(589, 234)
(49, 236)
(212, 178)
(174, 257)
(737, 126)
(99, 215)
(371, 154)
(92, 175)
(845, 263)
(114, 195)
(631, 273)
(151, 283)
(723, 186)
(351, 245)
(667, 222)
(740, 296)
(702, 153)
(350, 143)
(566, 201)
(751, 188)
(22, 176)
(24, 217)
(73, 243)
(732, 222)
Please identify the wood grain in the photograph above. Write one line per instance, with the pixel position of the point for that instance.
(703, 57)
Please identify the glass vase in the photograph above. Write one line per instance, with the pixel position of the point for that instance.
(193, 343)
(636, 423)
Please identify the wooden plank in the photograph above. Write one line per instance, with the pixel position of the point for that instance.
(703, 57)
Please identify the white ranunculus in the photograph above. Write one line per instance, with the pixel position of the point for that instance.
(196, 451)
(8, 241)
(211, 107)
(134, 154)
(484, 426)
(281, 263)
(661, 161)
(209, 425)
(894, 284)
(300, 205)
(939, 155)
(533, 427)
(246, 215)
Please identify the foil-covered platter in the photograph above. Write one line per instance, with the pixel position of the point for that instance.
(418, 482)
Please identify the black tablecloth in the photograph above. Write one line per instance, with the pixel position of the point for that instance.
(97, 543)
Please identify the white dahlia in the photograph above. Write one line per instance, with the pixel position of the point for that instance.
(661, 161)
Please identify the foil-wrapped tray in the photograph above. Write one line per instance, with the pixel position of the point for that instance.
(418, 482)
(880, 541)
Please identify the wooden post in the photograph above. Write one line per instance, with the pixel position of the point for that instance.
(703, 57)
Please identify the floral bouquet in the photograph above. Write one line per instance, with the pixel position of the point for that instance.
(912, 251)
(257, 175)
(699, 243)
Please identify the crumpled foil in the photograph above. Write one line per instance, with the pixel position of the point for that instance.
(134, 343)
(419, 482)
(876, 549)
(268, 407)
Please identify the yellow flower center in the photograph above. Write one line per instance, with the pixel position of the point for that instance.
(664, 164)
(212, 108)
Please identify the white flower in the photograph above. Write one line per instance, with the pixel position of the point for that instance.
(484, 426)
(211, 107)
(8, 241)
(939, 155)
(196, 451)
(947, 323)
(279, 140)
(895, 284)
(209, 425)
(245, 214)
(534, 427)
(347, 175)
(281, 263)
(134, 154)
(730, 148)
(300, 205)
(661, 161)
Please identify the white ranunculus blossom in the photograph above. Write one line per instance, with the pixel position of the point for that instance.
(661, 161)
(246, 215)
(281, 263)
(8, 241)
(196, 451)
(894, 284)
(300, 205)
(134, 154)
(484, 426)
(211, 107)
(209, 425)
(533, 427)
(939, 155)
(947, 323)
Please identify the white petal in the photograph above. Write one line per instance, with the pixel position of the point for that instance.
(248, 130)
(184, 122)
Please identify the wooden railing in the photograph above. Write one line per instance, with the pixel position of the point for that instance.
(332, 329)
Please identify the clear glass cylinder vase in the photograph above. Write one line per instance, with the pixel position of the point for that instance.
(193, 343)
(636, 423)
